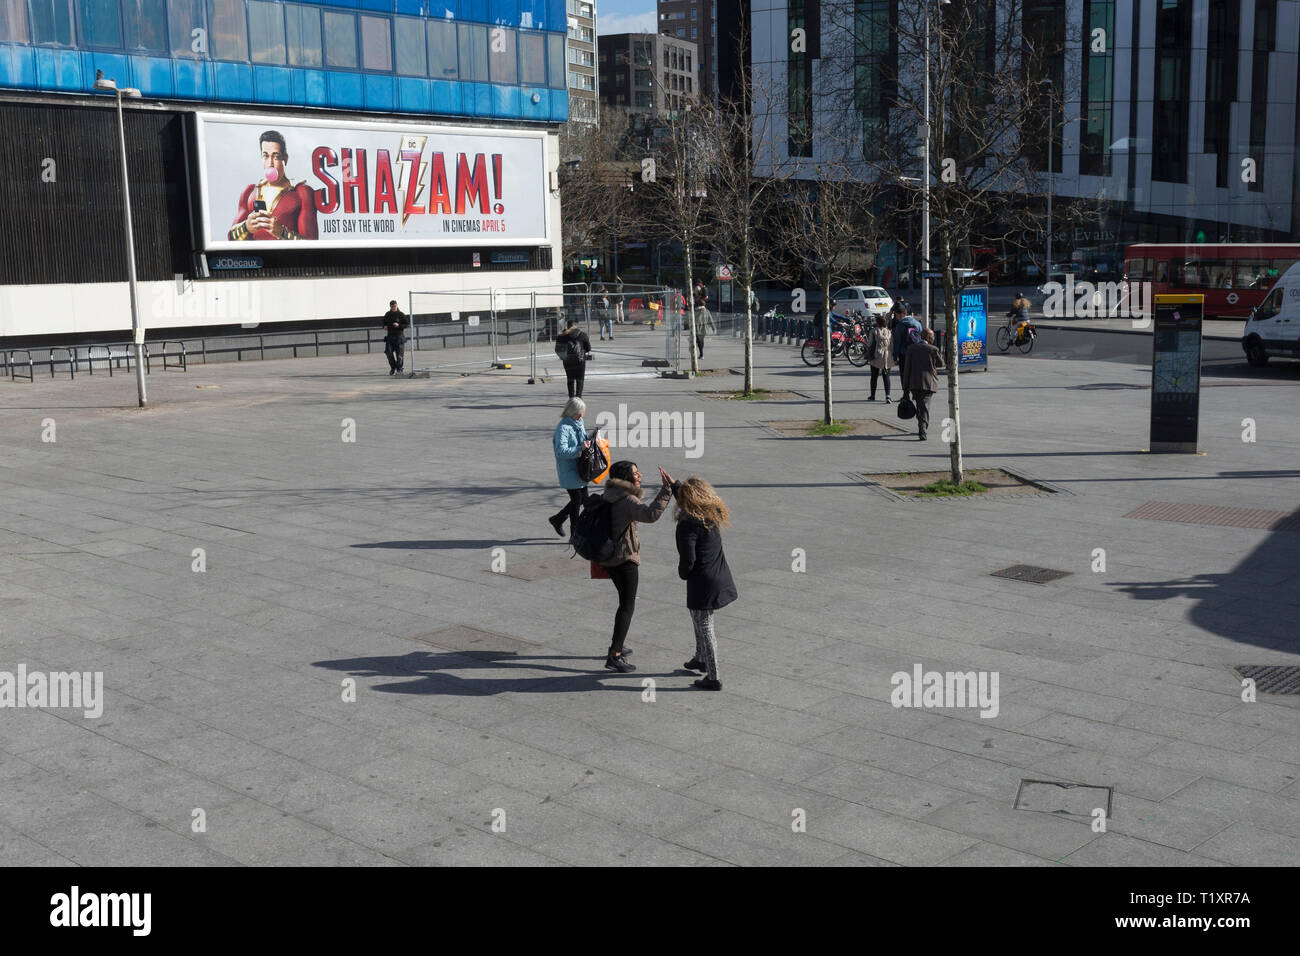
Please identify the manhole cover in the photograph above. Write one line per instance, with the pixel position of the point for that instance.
(556, 565)
(1030, 573)
(1217, 515)
(1069, 799)
(1271, 678)
(473, 642)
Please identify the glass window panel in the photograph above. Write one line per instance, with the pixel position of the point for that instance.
(341, 40)
(411, 50)
(376, 46)
(183, 18)
(473, 43)
(532, 59)
(503, 55)
(145, 25)
(442, 50)
(227, 30)
(13, 21)
(302, 29)
(555, 62)
(99, 23)
(266, 31)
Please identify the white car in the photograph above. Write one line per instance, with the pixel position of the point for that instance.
(867, 300)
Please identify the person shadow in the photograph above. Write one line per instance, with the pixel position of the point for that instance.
(427, 672)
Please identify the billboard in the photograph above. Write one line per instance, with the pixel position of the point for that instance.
(973, 327)
(268, 181)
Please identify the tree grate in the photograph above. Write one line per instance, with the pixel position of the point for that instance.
(1271, 678)
(1030, 573)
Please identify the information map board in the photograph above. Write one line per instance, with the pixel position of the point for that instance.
(1176, 372)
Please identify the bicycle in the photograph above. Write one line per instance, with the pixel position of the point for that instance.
(814, 351)
(1023, 337)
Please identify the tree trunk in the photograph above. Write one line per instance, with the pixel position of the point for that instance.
(826, 345)
(690, 305)
(950, 298)
(749, 339)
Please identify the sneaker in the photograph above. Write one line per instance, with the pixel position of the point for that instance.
(557, 522)
(695, 664)
(705, 684)
(921, 437)
(871, 398)
(613, 663)
(392, 371)
(627, 651)
(888, 400)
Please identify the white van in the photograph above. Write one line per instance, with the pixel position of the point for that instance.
(1273, 329)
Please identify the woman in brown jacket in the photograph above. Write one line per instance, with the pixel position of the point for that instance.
(623, 492)
(882, 356)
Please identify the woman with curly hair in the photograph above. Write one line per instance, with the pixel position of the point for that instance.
(701, 515)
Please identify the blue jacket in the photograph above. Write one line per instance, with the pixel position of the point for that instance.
(569, 436)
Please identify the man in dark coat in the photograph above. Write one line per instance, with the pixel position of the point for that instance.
(394, 329)
(921, 364)
(574, 348)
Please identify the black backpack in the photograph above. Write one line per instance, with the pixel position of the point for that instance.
(568, 348)
(593, 533)
(592, 459)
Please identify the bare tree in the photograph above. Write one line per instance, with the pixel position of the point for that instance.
(595, 201)
(676, 190)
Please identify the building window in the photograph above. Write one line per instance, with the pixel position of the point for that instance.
(13, 21)
(1172, 63)
(183, 18)
(532, 59)
(52, 22)
(504, 56)
(144, 22)
(643, 78)
(620, 79)
(1098, 89)
(302, 35)
(1265, 39)
(442, 50)
(341, 40)
(99, 23)
(266, 31)
(227, 30)
(555, 62)
(644, 101)
(411, 48)
(473, 43)
(376, 44)
(799, 83)
(581, 81)
(1220, 84)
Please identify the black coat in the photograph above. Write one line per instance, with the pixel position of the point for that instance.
(703, 566)
(584, 343)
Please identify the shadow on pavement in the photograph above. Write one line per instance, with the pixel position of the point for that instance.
(454, 544)
(1254, 603)
(424, 673)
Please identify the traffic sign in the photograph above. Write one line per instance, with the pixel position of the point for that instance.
(931, 275)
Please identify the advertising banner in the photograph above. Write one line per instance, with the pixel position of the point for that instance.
(268, 181)
(1176, 373)
(973, 327)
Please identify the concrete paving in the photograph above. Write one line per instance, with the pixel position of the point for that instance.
(348, 682)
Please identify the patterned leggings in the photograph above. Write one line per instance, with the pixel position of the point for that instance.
(706, 641)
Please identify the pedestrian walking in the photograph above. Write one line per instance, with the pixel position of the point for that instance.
(604, 313)
(619, 315)
(569, 439)
(623, 493)
(704, 325)
(574, 348)
(904, 331)
(880, 349)
(701, 563)
(920, 378)
(394, 323)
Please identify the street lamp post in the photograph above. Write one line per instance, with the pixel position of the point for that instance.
(925, 174)
(1051, 122)
(137, 331)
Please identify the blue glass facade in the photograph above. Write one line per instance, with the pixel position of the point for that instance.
(488, 59)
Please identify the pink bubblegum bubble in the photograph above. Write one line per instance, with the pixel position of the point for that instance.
(272, 174)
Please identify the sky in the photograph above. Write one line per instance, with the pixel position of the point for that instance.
(625, 16)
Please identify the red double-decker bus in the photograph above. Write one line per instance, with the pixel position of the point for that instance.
(1234, 278)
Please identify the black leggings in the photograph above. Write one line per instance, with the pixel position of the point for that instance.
(876, 373)
(576, 375)
(625, 577)
(574, 507)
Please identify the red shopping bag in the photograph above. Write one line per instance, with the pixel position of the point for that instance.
(598, 571)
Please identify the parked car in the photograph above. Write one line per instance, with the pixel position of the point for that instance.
(1273, 329)
(867, 300)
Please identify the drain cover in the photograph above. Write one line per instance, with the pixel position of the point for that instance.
(1030, 573)
(557, 565)
(1070, 799)
(1271, 678)
(475, 642)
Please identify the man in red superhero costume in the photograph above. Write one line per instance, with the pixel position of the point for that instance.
(287, 211)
